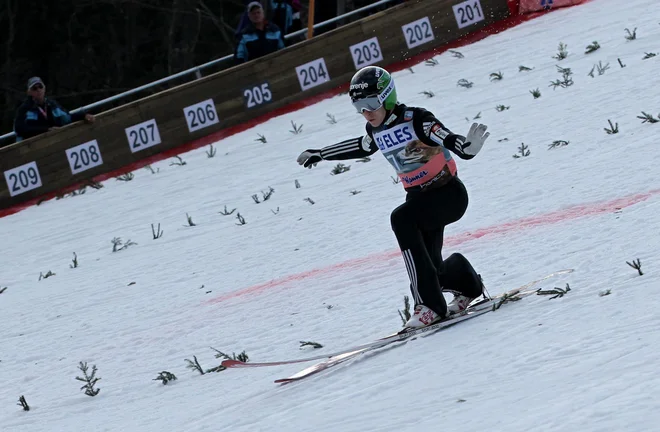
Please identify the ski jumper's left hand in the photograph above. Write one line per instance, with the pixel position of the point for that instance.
(474, 139)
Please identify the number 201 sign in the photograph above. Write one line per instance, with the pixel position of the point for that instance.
(468, 13)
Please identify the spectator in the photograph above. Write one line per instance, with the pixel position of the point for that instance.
(259, 37)
(39, 114)
(286, 15)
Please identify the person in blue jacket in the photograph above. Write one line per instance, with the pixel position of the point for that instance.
(259, 37)
(39, 114)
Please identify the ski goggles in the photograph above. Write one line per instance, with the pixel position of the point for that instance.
(371, 103)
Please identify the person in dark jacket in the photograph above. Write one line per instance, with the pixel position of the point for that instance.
(39, 114)
(259, 38)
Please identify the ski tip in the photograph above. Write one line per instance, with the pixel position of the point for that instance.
(232, 363)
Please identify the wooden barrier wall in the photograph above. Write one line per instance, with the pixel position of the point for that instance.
(174, 117)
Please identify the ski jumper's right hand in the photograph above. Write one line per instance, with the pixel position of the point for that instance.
(310, 158)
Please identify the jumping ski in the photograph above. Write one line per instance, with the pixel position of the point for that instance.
(479, 308)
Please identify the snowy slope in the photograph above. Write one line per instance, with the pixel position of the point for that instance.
(331, 272)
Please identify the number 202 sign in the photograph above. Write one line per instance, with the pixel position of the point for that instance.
(84, 157)
(201, 115)
(312, 74)
(366, 53)
(468, 12)
(23, 178)
(143, 135)
(418, 32)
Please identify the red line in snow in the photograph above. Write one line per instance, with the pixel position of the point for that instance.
(516, 226)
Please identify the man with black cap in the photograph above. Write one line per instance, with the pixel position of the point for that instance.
(39, 114)
(259, 37)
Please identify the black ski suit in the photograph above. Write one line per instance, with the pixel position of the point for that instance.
(417, 145)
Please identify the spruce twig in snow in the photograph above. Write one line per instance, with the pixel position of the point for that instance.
(536, 93)
(591, 73)
(566, 80)
(165, 377)
(210, 153)
(411, 70)
(241, 219)
(558, 143)
(2, 289)
(126, 177)
(524, 152)
(261, 138)
(266, 195)
(620, 63)
(506, 298)
(296, 129)
(428, 93)
(594, 46)
(190, 221)
(179, 161)
(90, 380)
(562, 52)
(648, 55)
(156, 233)
(464, 83)
(395, 180)
(340, 168)
(647, 118)
(242, 357)
(74, 261)
(431, 62)
(331, 118)
(605, 293)
(194, 365)
(255, 198)
(614, 128)
(637, 265)
(501, 108)
(309, 200)
(277, 211)
(522, 68)
(150, 168)
(94, 184)
(631, 36)
(405, 313)
(117, 244)
(601, 68)
(363, 160)
(496, 76)
(355, 192)
(23, 403)
(503, 139)
(297, 184)
(226, 212)
(456, 54)
(555, 292)
(478, 116)
(314, 345)
(46, 276)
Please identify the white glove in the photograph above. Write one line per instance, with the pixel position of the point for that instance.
(475, 139)
(309, 158)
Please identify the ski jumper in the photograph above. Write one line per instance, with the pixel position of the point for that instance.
(418, 146)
